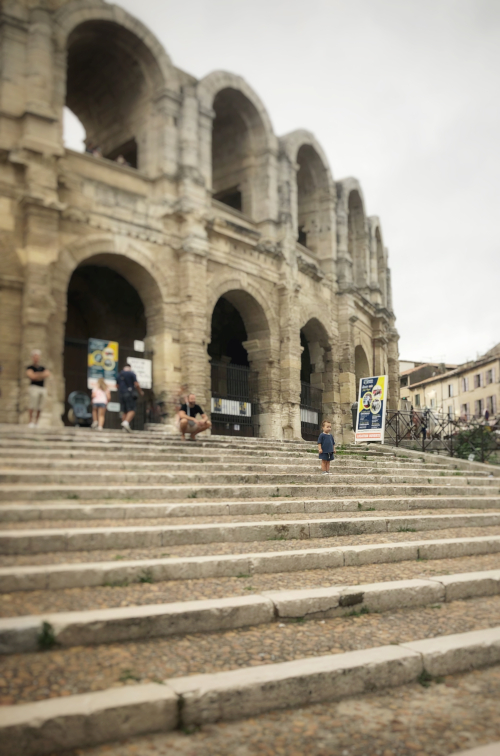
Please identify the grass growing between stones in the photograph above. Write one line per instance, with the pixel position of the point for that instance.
(46, 637)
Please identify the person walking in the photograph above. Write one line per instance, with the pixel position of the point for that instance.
(326, 447)
(101, 395)
(37, 391)
(127, 387)
(187, 419)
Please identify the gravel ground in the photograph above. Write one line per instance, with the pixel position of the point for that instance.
(102, 597)
(36, 676)
(460, 713)
(250, 547)
(220, 519)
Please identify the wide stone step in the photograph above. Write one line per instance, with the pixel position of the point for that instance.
(298, 465)
(221, 477)
(26, 541)
(22, 634)
(84, 720)
(332, 488)
(43, 511)
(85, 574)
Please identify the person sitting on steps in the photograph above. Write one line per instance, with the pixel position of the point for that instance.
(188, 422)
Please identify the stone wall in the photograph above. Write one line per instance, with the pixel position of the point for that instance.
(293, 250)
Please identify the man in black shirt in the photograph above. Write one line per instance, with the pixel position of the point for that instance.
(37, 391)
(188, 422)
(127, 387)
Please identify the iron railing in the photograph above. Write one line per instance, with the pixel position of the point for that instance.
(235, 386)
(427, 430)
(311, 403)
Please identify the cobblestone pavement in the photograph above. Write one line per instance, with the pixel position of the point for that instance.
(461, 712)
(221, 519)
(36, 676)
(245, 547)
(80, 599)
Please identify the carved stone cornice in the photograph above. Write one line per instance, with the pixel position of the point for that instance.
(309, 269)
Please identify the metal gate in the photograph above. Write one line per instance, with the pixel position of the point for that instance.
(234, 407)
(311, 400)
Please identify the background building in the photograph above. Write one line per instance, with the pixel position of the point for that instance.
(208, 219)
(467, 391)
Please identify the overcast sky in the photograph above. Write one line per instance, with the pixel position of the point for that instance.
(402, 94)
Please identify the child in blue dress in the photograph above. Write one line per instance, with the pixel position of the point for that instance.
(326, 446)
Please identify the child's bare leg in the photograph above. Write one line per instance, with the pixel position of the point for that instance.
(323, 465)
(327, 465)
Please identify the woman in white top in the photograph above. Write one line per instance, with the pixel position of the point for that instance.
(100, 398)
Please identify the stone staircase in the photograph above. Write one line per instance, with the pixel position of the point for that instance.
(150, 585)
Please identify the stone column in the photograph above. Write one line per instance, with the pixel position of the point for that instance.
(393, 363)
(290, 352)
(347, 372)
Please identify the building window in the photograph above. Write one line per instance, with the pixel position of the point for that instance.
(450, 389)
(404, 381)
(491, 404)
(478, 407)
(477, 380)
(465, 384)
(464, 411)
(450, 411)
(490, 376)
(417, 400)
(433, 402)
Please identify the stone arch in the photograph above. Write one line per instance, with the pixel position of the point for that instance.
(378, 260)
(74, 13)
(312, 194)
(116, 72)
(135, 265)
(351, 217)
(261, 345)
(243, 146)
(319, 345)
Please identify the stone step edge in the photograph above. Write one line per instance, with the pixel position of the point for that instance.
(12, 512)
(57, 724)
(92, 627)
(58, 510)
(92, 574)
(41, 492)
(47, 540)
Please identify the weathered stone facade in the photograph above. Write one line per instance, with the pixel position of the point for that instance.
(165, 225)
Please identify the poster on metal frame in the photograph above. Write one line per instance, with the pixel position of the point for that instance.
(372, 405)
(102, 362)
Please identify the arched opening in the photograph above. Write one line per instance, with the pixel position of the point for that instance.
(238, 141)
(74, 134)
(357, 246)
(103, 304)
(316, 377)
(110, 76)
(361, 366)
(312, 185)
(238, 348)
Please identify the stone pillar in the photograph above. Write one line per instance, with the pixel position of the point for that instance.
(41, 250)
(347, 372)
(393, 364)
(290, 352)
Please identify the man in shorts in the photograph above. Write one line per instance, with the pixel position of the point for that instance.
(187, 419)
(127, 386)
(37, 391)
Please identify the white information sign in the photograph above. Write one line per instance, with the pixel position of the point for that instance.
(143, 370)
(139, 346)
(113, 406)
(230, 407)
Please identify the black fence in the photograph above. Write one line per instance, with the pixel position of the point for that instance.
(474, 439)
(311, 403)
(235, 410)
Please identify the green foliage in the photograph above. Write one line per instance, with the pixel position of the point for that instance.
(146, 576)
(477, 440)
(46, 637)
(128, 674)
